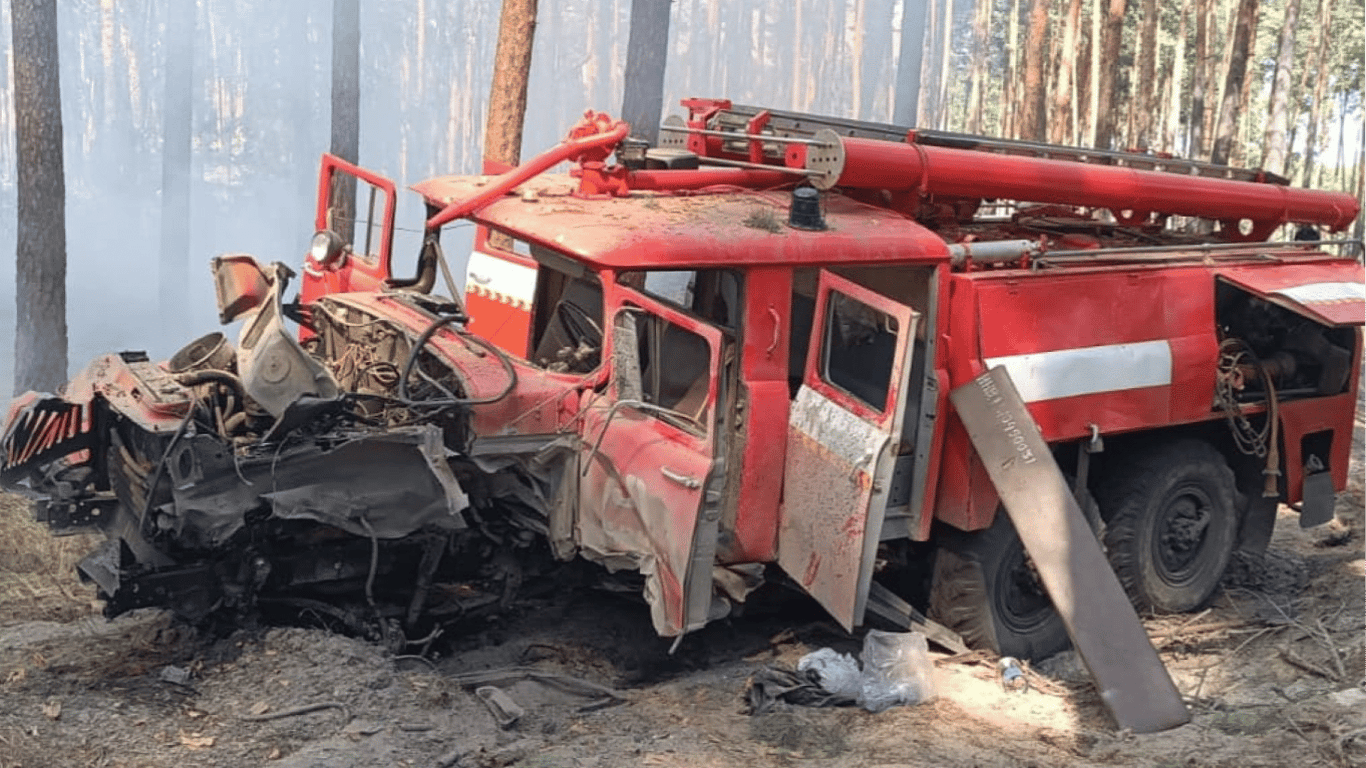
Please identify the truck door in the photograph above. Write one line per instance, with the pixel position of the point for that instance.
(842, 443)
(647, 497)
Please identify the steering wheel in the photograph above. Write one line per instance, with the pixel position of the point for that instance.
(578, 325)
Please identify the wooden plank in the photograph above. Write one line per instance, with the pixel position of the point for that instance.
(1107, 633)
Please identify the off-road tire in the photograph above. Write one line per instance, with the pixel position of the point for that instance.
(1171, 522)
(987, 591)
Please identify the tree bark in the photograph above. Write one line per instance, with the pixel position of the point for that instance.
(1199, 76)
(1105, 109)
(981, 22)
(647, 51)
(40, 253)
(1243, 125)
(1010, 98)
(1311, 138)
(909, 64)
(345, 111)
(945, 66)
(1169, 140)
(1274, 146)
(1062, 118)
(1088, 128)
(1230, 109)
(1145, 90)
(1033, 100)
(507, 98)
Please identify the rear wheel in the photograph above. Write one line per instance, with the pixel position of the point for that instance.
(987, 589)
(1171, 524)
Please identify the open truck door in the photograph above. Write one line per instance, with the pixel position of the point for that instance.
(843, 442)
(648, 497)
(354, 231)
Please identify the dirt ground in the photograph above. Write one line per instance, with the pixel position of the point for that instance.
(1273, 673)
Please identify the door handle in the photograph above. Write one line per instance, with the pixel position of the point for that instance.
(481, 279)
(691, 483)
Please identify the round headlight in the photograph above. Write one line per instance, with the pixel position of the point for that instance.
(327, 247)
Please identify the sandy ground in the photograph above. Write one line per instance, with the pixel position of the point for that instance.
(1273, 673)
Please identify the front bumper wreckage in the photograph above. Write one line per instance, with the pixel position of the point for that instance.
(270, 476)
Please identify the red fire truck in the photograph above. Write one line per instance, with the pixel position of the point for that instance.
(726, 360)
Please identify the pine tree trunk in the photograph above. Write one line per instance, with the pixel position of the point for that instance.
(1243, 125)
(1033, 99)
(1311, 139)
(909, 64)
(1105, 110)
(1169, 139)
(646, 54)
(1230, 109)
(1087, 128)
(942, 116)
(1200, 76)
(345, 111)
(1274, 146)
(1010, 99)
(1145, 89)
(1062, 120)
(981, 22)
(40, 253)
(507, 98)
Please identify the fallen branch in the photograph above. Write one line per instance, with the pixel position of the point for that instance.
(1294, 659)
(302, 710)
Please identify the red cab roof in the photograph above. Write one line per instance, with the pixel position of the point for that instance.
(727, 227)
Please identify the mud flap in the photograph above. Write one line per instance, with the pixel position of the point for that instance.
(1132, 681)
(1317, 507)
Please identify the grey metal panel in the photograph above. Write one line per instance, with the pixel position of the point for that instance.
(1132, 681)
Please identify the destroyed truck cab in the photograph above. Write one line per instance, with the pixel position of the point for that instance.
(721, 355)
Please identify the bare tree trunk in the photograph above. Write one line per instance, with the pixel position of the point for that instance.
(1062, 120)
(646, 54)
(507, 99)
(345, 110)
(1105, 110)
(1243, 125)
(981, 22)
(929, 94)
(945, 67)
(1087, 128)
(40, 253)
(909, 63)
(1219, 69)
(1010, 92)
(1178, 75)
(1145, 87)
(1200, 76)
(1311, 139)
(1229, 111)
(1359, 228)
(1033, 99)
(1274, 151)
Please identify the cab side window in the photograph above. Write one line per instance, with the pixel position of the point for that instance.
(674, 365)
(858, 349)
(567, 331)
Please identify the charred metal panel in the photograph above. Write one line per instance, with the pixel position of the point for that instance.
(1099, 618)
(275, 370)
(383, 484)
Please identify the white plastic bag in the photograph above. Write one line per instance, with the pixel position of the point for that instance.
(896, 670)
(837, 673)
